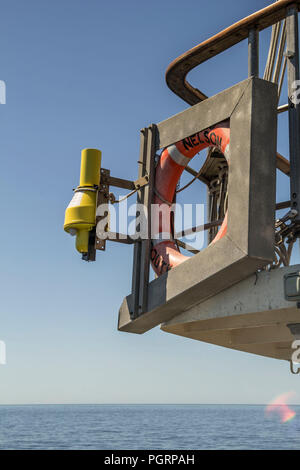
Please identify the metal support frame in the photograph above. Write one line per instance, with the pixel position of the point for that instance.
(97, 242)
(294, 108)
(122, 183)
(253, 53)
(103, 198)
(141, 257)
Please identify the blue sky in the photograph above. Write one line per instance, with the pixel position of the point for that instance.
(91, 74)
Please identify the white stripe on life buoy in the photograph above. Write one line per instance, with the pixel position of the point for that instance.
(177, 156)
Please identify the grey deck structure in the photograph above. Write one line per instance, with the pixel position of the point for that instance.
(251, 316)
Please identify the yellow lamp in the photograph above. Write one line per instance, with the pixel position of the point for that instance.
(80, 216)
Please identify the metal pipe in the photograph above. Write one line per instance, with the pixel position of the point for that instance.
(267, 67)
(280, 53)
(272, 52)
(199, 228)
(282, 78)
(283, 108)
(253, 53)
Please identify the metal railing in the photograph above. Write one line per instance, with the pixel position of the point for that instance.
(178, 70)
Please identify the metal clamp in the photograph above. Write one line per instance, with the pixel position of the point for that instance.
(86, 188)
(141, 182)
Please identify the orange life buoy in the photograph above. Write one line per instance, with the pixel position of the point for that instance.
(164, 251)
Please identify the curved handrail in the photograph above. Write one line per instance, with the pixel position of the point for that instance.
(180, 67)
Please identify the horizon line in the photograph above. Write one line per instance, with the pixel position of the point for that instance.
(139, 404)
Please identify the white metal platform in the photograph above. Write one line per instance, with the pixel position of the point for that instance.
(251, 316)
